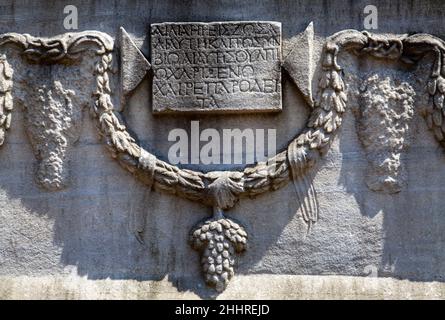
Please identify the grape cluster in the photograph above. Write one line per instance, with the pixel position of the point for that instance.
(218, 240)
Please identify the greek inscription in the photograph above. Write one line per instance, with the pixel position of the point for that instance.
(225, 66)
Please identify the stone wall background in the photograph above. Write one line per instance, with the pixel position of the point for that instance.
(85, 229)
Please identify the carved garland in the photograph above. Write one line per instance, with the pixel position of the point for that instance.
(6, 103)
(219, 237)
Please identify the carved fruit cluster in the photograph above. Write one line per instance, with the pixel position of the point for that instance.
(218, 240)
(5, 97)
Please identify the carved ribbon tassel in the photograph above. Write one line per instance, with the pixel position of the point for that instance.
(306, 194)
(217, 239)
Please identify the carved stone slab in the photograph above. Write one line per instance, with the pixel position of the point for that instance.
(216, 67)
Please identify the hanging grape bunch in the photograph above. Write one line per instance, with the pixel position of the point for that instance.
(218, 239)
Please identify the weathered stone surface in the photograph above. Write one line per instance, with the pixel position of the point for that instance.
(216, 67)
(250, 287)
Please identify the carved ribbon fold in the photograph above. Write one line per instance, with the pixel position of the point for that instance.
(147, 162)
(306, 194)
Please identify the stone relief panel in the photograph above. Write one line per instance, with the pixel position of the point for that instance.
(52, 120)
(220, 66)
